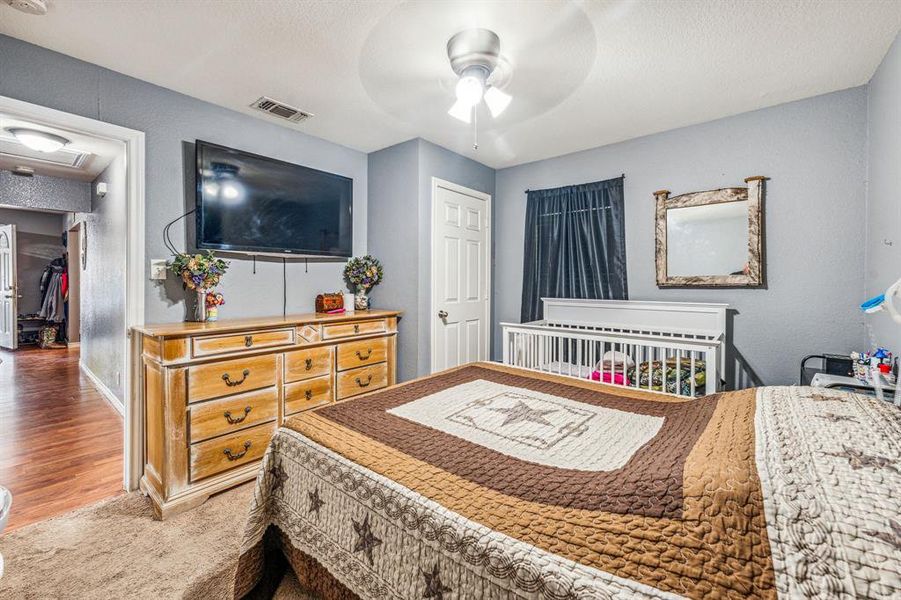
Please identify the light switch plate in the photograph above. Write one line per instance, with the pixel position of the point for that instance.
(158, 269)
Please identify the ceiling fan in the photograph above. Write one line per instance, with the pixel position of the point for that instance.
(474, 56)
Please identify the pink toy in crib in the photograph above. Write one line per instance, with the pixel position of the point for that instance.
(617, 378)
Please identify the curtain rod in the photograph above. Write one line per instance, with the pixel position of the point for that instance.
(623, 176)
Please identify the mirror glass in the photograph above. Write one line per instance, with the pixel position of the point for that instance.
(711, 239)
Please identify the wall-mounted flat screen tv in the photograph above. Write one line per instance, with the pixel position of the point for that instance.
(257, 205)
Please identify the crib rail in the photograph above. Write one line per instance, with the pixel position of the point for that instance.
(659, 360)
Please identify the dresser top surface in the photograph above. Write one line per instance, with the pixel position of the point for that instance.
(233, 325)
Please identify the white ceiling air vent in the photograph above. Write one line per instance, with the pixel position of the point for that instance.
(280, 110)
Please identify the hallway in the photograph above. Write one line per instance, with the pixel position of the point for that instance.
(60, 440)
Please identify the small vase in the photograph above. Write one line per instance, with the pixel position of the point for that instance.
(361, 299)
(200, 306)
(212, 313)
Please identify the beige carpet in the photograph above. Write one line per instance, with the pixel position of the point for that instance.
(115, 549)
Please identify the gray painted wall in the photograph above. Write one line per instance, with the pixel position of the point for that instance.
(41, 192)
(171, 122)
(33, 221)
(813, 151)
(883, 261)
(102, 293)
(393, 239)
(400, 190)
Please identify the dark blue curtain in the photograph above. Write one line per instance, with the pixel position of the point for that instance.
(575, 245)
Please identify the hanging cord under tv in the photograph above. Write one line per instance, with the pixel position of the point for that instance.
(284, 287)
(166, 240)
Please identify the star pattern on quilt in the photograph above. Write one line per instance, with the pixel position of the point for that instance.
(367, 540)
(522, 413)
(434, 588)
(277, 475)
(835, 418)
(315, 502)
(859, 460)
(892, 538)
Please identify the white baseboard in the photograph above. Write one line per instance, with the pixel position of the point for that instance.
(102, 388)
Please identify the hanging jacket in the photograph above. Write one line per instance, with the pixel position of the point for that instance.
(53, 306)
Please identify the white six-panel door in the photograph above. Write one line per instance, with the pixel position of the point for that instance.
(9, 335)
(461, 275)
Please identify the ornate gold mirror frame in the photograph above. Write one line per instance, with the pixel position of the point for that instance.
(754, 275)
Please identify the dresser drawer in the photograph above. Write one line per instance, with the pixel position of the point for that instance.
(227, 377)
(304, 395)
(229, 451)
(216, 417)
(364, 352)
(305, 364)
(362, 380)
(349, 329)
(223, 344)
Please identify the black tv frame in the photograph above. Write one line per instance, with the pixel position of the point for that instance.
(257, 250)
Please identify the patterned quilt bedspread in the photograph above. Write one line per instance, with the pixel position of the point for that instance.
(493, 482)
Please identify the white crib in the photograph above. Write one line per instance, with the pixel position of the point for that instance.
(676, 342)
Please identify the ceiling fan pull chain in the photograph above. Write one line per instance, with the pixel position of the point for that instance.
(475, 128)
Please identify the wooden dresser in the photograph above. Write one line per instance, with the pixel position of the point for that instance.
(215, 392)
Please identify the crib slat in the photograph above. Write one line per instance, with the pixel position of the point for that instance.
(692, 374)
(678, 371)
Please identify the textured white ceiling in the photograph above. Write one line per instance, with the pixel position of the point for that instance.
(585, 73)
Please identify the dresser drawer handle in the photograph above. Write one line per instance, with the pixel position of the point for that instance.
(230, 383)
(368, 381)
(248, 340)
(368, 354)
(309, 363)
(308, 394)
(356, 329)
(235, 420)
(228, 452)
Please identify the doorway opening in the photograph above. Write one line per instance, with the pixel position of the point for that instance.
(70, 190)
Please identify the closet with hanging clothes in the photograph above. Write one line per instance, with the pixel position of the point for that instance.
(54, 303)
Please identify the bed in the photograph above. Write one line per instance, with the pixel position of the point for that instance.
(489, 481)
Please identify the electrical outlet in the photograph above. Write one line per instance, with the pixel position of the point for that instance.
(158, 269)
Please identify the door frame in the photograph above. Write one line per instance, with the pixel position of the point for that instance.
(134, 262)
(433, 301)
(74, 238)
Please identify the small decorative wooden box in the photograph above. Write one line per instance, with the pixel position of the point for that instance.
(329, 302)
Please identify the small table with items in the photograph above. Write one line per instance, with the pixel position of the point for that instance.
(836, 372)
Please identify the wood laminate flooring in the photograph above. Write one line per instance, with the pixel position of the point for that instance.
(60, 440)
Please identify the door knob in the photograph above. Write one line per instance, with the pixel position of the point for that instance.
(442, 314)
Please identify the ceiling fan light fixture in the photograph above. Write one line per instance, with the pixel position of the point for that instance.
(41, 141)
(497, 101)
(461, 111)
(471, 86)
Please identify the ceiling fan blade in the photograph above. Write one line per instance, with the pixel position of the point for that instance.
(461, 111)
(497, 101)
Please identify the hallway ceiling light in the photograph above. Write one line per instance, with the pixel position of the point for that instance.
(41, 141)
